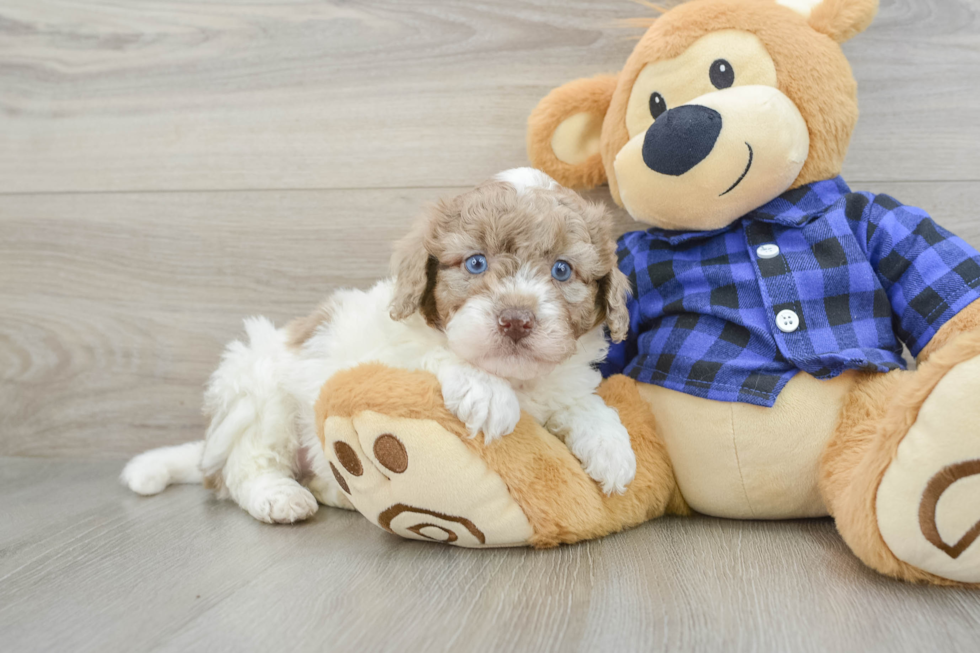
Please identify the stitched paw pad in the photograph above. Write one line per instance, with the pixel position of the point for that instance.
(928, 501)
(413, 478)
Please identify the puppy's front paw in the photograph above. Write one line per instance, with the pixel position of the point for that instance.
(483, 402)
(606, 455)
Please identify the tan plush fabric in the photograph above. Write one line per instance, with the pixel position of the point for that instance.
(742, 461)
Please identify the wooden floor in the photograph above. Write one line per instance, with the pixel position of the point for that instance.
(170, 166)
(86, 567)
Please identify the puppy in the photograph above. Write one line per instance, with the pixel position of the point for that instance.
(501, 292)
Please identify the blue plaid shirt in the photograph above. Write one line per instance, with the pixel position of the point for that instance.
(860, 271)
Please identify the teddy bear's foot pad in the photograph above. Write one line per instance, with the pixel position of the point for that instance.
(415, 479)
(928, 502)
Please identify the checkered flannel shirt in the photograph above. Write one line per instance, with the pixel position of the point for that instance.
(861, 272)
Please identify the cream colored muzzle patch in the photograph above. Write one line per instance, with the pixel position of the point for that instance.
(759, 152)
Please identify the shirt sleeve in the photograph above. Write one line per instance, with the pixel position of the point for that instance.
(928, 273)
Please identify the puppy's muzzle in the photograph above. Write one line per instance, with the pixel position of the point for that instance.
(681, 138)
(516, 324)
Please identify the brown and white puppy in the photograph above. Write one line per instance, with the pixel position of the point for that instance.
(502, 292)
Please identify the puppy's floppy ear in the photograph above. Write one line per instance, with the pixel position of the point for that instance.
(614, 286)
(411, 264)
(563, 131)
(614, 292)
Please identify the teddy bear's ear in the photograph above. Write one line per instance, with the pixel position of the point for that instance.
(563, 131)
(838, 19)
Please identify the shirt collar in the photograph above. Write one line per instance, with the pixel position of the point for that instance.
(797, 207)
(794, 208)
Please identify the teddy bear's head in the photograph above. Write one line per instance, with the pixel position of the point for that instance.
(722, 106)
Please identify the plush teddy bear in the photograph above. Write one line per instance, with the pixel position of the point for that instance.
(763, 377)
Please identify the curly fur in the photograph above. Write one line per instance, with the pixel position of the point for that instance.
(433, 316)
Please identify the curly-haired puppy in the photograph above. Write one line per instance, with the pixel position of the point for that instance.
(501, 292)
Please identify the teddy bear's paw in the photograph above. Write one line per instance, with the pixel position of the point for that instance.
(928, 501)
(415, 479)
(329, 493)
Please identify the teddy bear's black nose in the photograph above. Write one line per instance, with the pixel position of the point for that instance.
(680, 139)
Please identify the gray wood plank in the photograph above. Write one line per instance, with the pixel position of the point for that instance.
(86, 566)
(179, 95)
(116, 306)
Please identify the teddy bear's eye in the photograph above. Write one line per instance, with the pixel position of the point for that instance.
(721, 74)
(657, 105)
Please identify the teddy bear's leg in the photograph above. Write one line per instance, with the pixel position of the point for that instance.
(902, 475)
(410, 467)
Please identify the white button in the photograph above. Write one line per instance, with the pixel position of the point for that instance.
(768, 251)
(787, 321)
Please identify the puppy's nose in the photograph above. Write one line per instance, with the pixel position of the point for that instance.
(515, 323)
(680, 139)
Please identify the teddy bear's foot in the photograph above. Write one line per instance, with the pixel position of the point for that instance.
(408, 466)
(928, 501)
(415, 479)
(411, 467)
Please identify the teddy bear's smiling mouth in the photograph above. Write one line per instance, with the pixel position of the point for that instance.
(745, 172)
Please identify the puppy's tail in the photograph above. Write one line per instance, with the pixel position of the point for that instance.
(245, 386)
(153, 470)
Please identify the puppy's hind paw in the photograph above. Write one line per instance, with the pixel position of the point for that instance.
(281, 501)
(145, 477)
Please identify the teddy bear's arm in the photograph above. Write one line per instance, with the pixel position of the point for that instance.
(930, 275)
(965, 321)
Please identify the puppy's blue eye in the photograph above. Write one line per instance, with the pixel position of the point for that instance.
(561, 271)
(476, 264)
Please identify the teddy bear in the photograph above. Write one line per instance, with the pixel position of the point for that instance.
(763, 376)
